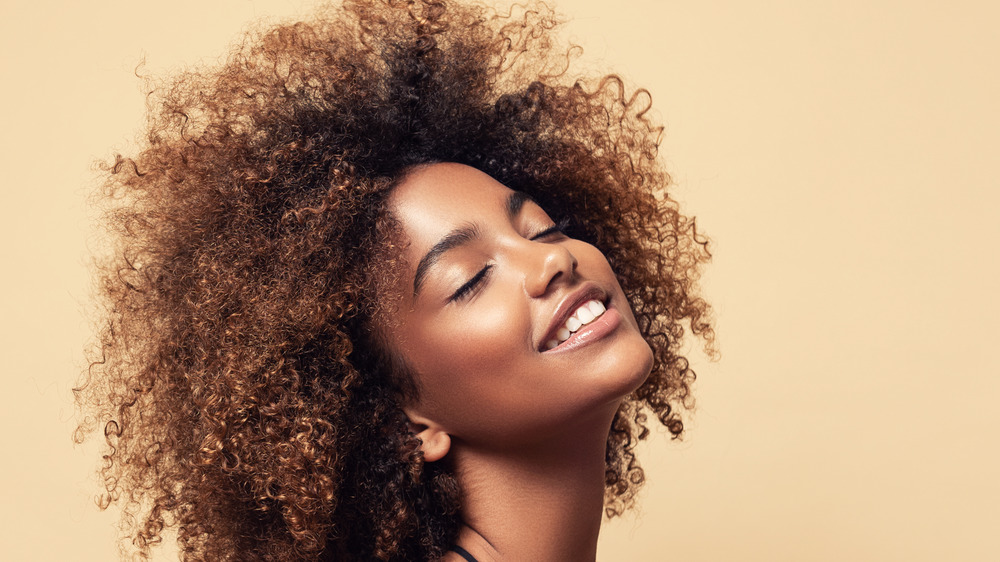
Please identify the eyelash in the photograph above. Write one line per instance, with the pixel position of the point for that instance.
(559, 227)
(471, 284)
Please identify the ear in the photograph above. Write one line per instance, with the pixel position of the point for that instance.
(434, 440)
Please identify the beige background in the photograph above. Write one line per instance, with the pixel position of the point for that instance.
(842, 155)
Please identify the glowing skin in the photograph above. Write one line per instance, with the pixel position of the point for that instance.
(522, 345)
(481, 358)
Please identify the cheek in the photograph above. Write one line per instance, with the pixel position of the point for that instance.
(472, 367)
(476, 341)
(593, 264)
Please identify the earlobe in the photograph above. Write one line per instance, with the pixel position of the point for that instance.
(434, 441)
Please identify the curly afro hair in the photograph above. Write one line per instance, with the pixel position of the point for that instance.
(243, 397)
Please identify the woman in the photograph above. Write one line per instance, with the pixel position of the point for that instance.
(391, 285)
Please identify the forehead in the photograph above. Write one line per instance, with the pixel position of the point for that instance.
(434, 199)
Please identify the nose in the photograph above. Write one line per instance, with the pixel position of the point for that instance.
(548, 264)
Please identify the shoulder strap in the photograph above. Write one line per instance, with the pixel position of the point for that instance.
(464, 554)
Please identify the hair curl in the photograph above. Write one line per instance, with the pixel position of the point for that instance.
(243, 396)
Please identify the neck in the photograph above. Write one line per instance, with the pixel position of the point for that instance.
(540, 502)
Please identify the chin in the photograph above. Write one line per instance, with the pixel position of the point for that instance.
(628, 369)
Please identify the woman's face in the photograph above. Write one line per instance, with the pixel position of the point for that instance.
(489, 287)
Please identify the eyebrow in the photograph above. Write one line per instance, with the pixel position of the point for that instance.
(461, 236)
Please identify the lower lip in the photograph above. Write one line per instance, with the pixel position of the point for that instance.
(595, 331)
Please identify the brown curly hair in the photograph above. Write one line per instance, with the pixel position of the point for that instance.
(244, 396)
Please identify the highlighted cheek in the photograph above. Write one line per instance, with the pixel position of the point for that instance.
(483, 339)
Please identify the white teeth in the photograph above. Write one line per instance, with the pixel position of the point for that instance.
(573, 323)
(596, 307)
(583, 316)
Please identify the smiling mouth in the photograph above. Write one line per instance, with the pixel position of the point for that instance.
(583, 315)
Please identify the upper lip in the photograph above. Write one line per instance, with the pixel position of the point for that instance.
(587, 292)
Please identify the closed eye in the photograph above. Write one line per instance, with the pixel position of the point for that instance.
(559, 228)
(471, 284)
